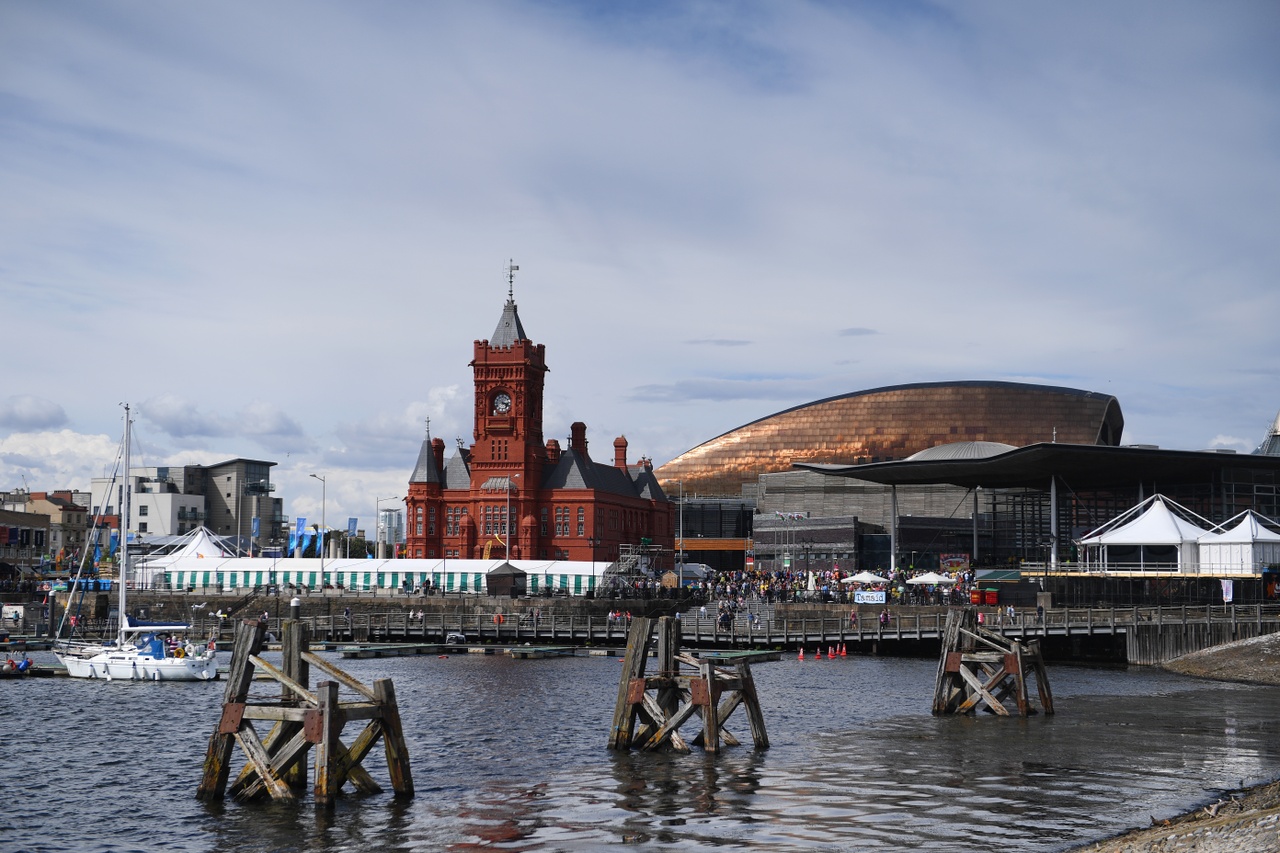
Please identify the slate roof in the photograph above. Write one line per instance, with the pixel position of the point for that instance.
(576, 471)
(509, 328)
(457, 471)
(426, 471)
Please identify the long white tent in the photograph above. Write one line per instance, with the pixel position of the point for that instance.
(201, 572)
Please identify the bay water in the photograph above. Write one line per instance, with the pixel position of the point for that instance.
(510, 755)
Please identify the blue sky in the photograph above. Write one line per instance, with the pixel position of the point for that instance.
(276, 229)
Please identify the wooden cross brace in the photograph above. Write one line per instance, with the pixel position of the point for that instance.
(301, 720)
(651, 710)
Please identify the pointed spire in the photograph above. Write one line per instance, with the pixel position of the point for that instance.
(426, 471)
(509, 328)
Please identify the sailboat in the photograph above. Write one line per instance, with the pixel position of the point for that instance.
(141, 651)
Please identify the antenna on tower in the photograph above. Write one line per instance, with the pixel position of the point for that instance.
(428, 427)
(511, 279)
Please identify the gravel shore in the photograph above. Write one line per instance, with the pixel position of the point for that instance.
(1246, 821)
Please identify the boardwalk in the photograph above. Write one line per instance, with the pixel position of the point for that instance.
(1152, 634)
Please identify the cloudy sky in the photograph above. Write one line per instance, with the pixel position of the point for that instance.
(275, 229)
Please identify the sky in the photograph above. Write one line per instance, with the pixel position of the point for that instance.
(275, 229)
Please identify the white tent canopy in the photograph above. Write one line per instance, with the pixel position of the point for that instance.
(1157, 534)
(930, 578)
(1240, 544)
(864, 577)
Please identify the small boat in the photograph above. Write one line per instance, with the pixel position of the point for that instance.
(141, 651)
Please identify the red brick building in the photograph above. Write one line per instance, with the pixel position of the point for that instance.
(549, 502)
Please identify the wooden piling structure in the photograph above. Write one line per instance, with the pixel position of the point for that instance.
(982, 670)
(652, 708)
(301, 719)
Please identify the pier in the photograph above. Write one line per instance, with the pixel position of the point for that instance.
(1150, 635)
(1138, 635)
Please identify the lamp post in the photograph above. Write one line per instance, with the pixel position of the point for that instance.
(324, 488)
(377, 522)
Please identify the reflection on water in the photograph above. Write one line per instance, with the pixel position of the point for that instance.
(511, 755)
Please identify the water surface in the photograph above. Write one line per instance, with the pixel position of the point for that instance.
(510, 755)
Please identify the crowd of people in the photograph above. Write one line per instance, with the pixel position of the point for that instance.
(832, 585)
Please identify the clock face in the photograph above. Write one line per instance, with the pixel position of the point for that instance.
(501, 403)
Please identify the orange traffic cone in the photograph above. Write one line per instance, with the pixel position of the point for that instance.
(801, 653)
(842, 651)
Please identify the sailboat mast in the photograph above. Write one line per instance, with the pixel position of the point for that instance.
(122, 576)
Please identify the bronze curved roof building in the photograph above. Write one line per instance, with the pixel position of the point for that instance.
(884, 424)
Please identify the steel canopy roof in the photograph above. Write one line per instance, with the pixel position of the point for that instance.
(1080, 466)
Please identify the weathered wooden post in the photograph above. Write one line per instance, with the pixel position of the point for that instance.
(217, 760)
(980, 668)
(301, 719)
(653, 721)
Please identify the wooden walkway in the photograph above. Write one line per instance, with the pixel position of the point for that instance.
(1151, 634)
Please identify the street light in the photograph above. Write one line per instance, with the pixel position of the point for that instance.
(377, 521)
(324, 488)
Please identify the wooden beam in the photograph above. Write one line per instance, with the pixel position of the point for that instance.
(633, 664)
(326, 783)
(217, 760)
(340, 676)
(297, 689)
(755, 717)
(287, 755)
(397, 751)
(261, 761)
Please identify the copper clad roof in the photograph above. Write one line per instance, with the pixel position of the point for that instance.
(892, 423)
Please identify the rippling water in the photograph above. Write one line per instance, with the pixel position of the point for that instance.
(510, 755)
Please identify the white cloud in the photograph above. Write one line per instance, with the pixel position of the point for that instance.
(27, 412)
(282, 226)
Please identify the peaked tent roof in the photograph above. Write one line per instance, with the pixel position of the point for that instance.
(201, 542)
(1157, 524)
(1248, 529)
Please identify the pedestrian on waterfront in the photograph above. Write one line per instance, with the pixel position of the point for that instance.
(346, 612)
(853, 618)
(1039, 614)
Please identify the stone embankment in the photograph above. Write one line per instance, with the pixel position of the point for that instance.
(1245, 821)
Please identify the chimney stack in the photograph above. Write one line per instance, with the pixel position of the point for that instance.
(578, 438)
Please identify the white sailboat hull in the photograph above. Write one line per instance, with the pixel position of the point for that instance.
(131, 665)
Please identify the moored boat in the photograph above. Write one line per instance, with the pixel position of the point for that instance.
(147, 652)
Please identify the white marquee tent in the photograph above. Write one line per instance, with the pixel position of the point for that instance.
(1156, 535)
(1241, 544)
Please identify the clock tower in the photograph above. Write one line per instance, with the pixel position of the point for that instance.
(509, 454)
(512, 495)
